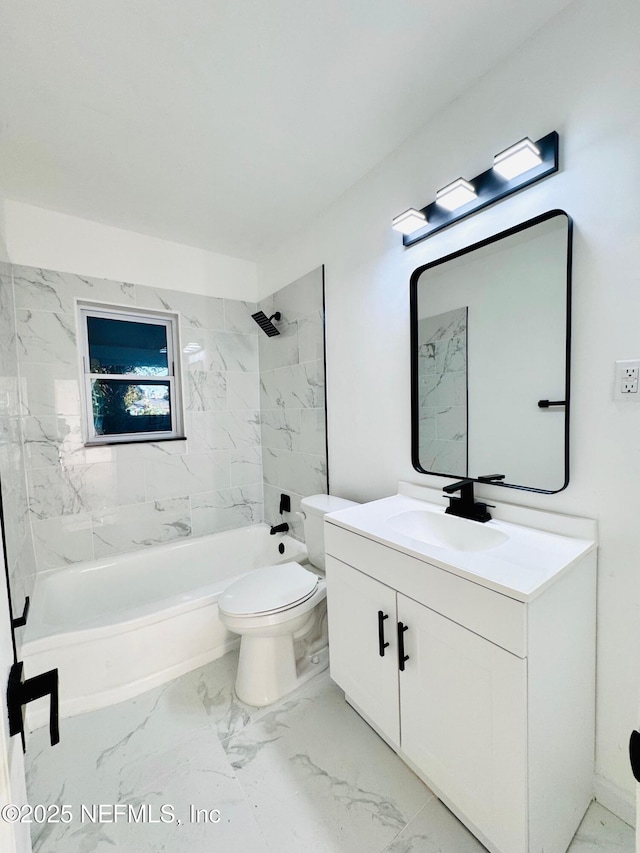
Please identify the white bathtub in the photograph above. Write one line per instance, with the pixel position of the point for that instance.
(121, 625)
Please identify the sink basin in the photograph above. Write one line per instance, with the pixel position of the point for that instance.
(446, 531)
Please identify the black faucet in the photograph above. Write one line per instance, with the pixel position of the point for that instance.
(279, 528)
(466, 506)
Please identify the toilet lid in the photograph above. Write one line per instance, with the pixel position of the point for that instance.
(268, 589)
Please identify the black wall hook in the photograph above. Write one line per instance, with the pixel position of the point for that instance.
(21, 621)
(21, 692)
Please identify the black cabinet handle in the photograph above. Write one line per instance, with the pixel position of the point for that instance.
(545, 404)
(21, 692)
(401, 655)
(634, 754)
(381, 643)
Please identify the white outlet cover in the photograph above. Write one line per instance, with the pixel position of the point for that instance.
(626, 378)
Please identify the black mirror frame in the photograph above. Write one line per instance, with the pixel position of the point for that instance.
(413, 300)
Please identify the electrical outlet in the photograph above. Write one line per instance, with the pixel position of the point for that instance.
(627, 375)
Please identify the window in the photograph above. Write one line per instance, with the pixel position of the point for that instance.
(131, 375)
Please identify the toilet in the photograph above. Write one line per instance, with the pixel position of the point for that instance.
(280, 613)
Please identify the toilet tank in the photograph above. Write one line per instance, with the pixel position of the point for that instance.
(315, 507)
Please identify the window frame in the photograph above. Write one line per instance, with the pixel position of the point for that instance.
(173, 377)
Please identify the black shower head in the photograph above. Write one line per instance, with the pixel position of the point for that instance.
(265, 322)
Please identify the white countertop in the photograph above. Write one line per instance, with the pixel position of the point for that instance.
(521, 567)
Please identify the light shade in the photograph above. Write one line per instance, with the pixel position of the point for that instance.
(527, 161)
(409, 221)
(456, 194)
(517, 159)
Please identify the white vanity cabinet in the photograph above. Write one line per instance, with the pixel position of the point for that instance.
(457, 711)
(493, 706)
(471, 741)
(362, 618)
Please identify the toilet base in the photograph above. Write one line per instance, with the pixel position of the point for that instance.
(267, 669)
(280, 651)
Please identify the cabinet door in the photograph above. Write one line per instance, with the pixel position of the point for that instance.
(369, 678)
(463, 723)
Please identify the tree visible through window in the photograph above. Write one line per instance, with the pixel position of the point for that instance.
(131, 387)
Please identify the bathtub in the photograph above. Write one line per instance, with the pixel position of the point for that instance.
(121, 625)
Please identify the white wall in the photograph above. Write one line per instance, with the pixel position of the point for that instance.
(579, 75)
(55, 241)
(14, 838)
(4, 255)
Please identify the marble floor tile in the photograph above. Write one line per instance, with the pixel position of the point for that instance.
(435, 830)
(213, 685)
(187, 799)
(603, 832)
(321, 780)
(194, 778)
(95, 747)
(305, 774)
(227, 715)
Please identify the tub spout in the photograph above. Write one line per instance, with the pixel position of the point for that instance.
(279, 528)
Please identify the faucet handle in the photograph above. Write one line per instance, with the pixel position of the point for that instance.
(490, 478)
(285, 503)
(455, 487)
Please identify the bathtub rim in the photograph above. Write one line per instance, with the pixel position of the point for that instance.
(69, 643)
(172, 545)
(142, 618)
(125, 620)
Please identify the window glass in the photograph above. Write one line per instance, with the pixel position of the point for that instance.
(131, 391)
(121, 406)
(126, 346)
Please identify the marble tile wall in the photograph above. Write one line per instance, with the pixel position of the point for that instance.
(19, 544)
(442, 392)
(292, 398)
(88, 502)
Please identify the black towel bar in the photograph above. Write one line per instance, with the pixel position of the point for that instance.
(544, 404)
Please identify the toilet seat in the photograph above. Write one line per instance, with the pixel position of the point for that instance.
(272, 589)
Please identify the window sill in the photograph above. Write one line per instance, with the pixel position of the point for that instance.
(134, 441)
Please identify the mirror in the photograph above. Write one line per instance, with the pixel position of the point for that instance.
(490, 333)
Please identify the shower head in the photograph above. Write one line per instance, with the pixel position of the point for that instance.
(265, 322)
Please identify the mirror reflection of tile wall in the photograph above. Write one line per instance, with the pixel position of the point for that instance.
(442, 392)
(292, 398)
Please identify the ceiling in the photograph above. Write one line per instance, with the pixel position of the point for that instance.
(226, 124)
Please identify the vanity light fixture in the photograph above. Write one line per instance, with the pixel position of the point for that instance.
(517, 159)
(409, 221)
(456, 194)
(515, 168)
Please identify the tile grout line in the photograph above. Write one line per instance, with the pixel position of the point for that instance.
(410, 821)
